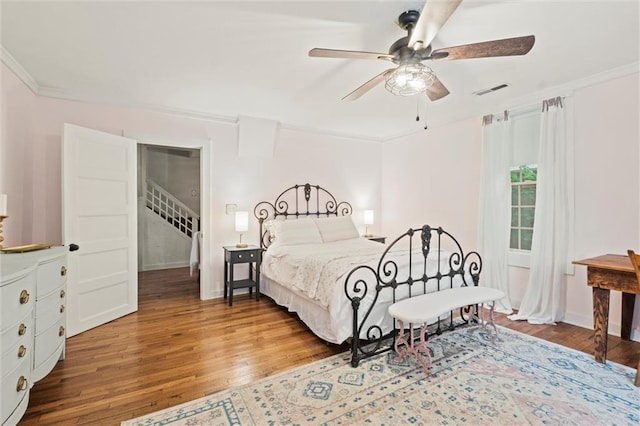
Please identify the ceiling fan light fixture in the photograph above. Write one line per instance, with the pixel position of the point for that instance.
(409, 79)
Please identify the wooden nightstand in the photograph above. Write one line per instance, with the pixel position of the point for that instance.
(377, 239)
(234, 255)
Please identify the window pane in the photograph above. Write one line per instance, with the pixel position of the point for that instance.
(527, 216)
(514, 217)
(528, 194)
(529, 174)
(525, 241)
(514, 196)
(514, 239)
(515, 176)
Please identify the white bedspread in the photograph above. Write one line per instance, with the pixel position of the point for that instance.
(314, 278)
(314, 269)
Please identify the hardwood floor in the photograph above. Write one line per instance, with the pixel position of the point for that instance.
(177, 348)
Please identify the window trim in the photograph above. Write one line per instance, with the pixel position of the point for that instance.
(520, 184)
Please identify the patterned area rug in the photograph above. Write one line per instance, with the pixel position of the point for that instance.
(519, 380)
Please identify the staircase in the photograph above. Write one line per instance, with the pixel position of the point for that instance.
(171, 210)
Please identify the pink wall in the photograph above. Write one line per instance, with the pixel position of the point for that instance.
(349, 168)
(429, 177)
(16, 148)
(434, 176)
(607, 201)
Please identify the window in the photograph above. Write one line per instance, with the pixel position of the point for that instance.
(523, 202)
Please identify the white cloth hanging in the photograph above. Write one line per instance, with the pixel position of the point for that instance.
(495, 208)
(544, 299)
(194, 258)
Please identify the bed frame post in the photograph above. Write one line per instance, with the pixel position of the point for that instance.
(355, 339)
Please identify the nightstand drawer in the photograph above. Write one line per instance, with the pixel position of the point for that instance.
(243, 256)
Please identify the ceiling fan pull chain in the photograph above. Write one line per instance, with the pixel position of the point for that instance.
(417, 108)
(425, 118)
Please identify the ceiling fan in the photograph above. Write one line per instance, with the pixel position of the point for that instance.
(411, 77)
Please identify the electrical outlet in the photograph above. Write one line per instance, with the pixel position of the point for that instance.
(232, 208)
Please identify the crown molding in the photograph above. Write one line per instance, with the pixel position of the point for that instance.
(8, 59)
(325, 132)
(51, 92)
(57, 93)
(523, 102)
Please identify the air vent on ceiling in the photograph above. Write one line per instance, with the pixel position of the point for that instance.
(492, 89)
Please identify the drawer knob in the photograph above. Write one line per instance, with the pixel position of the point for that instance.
(62, 293)
(22, 351)
(22, 329)
(61, 308)
(239, 256)
(61, 331)
(22, 384)
(63, 271)
(24, 297)
(251, 255)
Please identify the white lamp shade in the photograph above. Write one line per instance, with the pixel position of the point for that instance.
(242, 221)
(368, 217)
(3, 204)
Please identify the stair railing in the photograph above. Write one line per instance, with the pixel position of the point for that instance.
(172, 210)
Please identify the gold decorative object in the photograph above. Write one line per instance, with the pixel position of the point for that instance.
(26, 248)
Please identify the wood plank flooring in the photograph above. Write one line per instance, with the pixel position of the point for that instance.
(177, 348)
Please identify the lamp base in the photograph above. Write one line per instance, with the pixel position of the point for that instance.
(368, 235)
(242, 245)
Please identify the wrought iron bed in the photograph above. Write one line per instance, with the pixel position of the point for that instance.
(298, 201)
(420, 245)
(386, 277)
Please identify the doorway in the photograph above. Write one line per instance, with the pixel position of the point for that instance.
(194, 153)
(168, 208)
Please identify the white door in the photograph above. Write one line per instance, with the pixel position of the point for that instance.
(99, 214)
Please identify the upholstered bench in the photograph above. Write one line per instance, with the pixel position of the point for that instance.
(426, 308)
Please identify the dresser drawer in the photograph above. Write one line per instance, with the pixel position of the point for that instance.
(51, 275)
(14, 387)
(48, 341)
(18, 299)
(13, 357)
(50, 309)
(18, 332)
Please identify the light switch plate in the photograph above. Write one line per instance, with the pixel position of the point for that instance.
(231, 208)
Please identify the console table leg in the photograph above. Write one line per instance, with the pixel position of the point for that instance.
(600, 322)
(628, 303)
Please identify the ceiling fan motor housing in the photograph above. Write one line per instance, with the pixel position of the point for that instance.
(403, 54)
(407, 20)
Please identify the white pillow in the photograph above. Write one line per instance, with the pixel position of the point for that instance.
(295, 232)
(337, 228)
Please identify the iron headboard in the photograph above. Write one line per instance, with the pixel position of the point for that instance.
(296, 201)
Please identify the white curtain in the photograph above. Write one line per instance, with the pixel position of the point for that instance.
(495, 207)
(544, 299)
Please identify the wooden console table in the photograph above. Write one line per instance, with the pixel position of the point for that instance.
(605, 273)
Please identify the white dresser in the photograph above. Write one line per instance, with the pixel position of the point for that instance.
(32, 321)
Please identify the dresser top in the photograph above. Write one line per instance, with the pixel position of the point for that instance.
(16, 265)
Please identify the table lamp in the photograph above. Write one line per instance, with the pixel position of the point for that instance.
(368, 220)
(242, 225)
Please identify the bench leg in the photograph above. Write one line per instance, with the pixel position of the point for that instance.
(404, 347)
(491, 321)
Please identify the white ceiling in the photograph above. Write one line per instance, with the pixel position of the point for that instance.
(225, 59)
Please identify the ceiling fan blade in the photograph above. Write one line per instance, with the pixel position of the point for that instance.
(432, 18)
(487, 49)
(367, 86)
(437, 90)
(347, 54)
